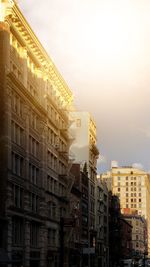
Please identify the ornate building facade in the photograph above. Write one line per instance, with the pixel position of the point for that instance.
(34, 145)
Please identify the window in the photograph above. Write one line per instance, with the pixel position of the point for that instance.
(33, 120)
(18, 196)
(17, 164)
(51, 160)
(92, 190)
(33, 174)
(84, 207)
(92, 206)
(84, 220)
(52, 185)
(52, 233)
(34, 202)
(17, 133)
(33, 146)
(17, 231)
(17, 105)
(34, 234)
(118, 189)
(52, 210)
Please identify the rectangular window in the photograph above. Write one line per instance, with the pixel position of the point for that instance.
(17, 164)
(52, 210)
(18, 196)
(34, 234)
(17, 231)
(34, 202)
(17, 133)
(33, 174)
(52, 237)
(33, 146)
(17, 105)
(51, 160)
(33, 120)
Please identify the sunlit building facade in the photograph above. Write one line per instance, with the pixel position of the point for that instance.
(34, 145)
(132, 186)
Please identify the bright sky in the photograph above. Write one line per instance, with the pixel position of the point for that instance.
(102, 49)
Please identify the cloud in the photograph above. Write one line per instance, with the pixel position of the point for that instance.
(101, 159)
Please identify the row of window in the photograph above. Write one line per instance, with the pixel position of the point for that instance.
(18, 138)
(18, 233)
(133, 205)
(17, 165)
(133, 200)
(34, 121)
(18, 199)
(129, 178)
(130, 189)
(55, 187)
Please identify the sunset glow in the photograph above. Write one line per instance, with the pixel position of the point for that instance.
(102, 50)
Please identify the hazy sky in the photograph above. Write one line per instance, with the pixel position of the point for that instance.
(102, 49)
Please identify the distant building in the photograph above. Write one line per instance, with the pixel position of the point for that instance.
(115, 235)
(102, 223)
(139, 230)
(126, 238)
(83, 130)
(81, 181)
(132, 186)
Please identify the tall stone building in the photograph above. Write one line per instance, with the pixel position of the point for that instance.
(83, 129)
(132, 186)
(34, 145)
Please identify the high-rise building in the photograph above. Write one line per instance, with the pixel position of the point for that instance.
(83, 130)
(34, 145)
(132, 186)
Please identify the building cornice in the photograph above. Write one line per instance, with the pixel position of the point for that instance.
(20, 26)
